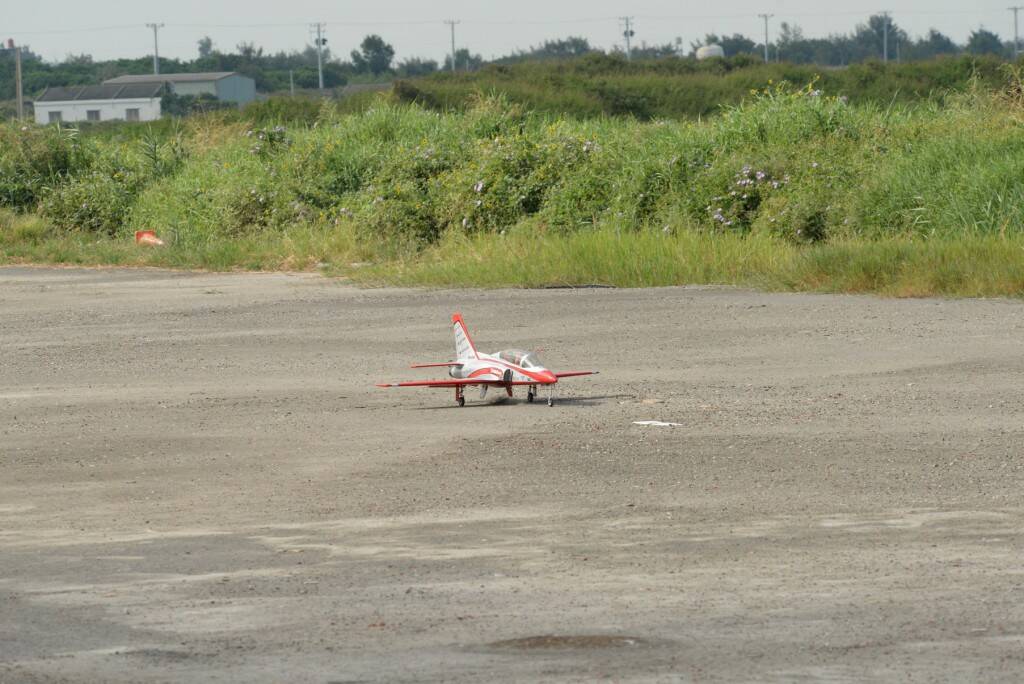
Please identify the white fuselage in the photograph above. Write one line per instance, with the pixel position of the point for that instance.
(493, 368)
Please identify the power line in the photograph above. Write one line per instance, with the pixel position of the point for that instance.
(512, 22)
(91, 29)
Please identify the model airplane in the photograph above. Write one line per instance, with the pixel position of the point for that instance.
(507, 369)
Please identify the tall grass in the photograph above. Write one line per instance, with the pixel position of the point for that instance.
(671, 88)
(791, 189)
(989, 266)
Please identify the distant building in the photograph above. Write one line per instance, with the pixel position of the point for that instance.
(99, 103)
(137, 98)
(227, 86)
(710, 52)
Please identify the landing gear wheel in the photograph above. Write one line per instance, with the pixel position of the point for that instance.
(551, 402)
(462, 401)
(530, 396)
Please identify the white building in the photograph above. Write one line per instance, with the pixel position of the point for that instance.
(226, 86)
(137, 97)
(99, 103)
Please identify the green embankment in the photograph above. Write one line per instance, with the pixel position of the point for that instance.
(672, 88)
(792, 190)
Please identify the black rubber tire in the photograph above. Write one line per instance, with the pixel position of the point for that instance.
(462, 401)
(530, 397)
(551, 402)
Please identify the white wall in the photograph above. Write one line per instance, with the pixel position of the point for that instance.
(195, 88)
(110, 110)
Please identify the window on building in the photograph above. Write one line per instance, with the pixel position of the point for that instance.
(131, 114)
(54, 117)
(92, 115)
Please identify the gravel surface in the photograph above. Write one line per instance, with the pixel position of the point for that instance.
(199, 482)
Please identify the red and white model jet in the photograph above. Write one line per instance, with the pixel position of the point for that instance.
(507, 369)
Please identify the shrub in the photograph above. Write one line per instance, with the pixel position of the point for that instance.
(33, 158)
(101, 198)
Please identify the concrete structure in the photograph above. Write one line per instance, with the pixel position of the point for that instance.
(710, 52)
(227, 86)
(99, 103)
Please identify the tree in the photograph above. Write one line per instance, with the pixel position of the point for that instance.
(205, 47)
(869, 40)
(733, 45)
(560, 49)
(790, 34)
(984, 42)
(464, 61)
(645, 51)
(374, 56)
(932, 45)
(78, 60)
(249, 52)
(414, 66)
(563, 48)
(793, 47)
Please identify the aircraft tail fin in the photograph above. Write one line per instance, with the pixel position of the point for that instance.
(464, 347)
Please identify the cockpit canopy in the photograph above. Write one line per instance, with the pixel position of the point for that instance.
(523, 359)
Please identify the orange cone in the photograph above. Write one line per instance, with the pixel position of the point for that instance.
(148, 238)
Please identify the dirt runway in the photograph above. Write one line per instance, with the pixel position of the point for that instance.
(199, 482)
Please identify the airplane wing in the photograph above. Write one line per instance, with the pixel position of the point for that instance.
(575, 374)
(454, 364)
(454, 383)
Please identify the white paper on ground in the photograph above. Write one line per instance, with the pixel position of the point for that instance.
(656, 423)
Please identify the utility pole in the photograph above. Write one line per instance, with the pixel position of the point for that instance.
(320, 42)
(628, 35)
(452, 23)
(18, 83)
(1016, 29)
(16, 49)
(291, 81)
(156, 48)
(766, 17)
(885, 37)
(17, 77)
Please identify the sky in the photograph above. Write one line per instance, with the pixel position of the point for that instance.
(107, 29)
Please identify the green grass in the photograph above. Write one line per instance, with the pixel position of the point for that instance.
(30, 239)
(791, 190)
(675, 88)
(985, 266)
(965, 267)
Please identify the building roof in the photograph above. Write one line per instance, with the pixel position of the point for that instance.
(170, 78)
(101, 92)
